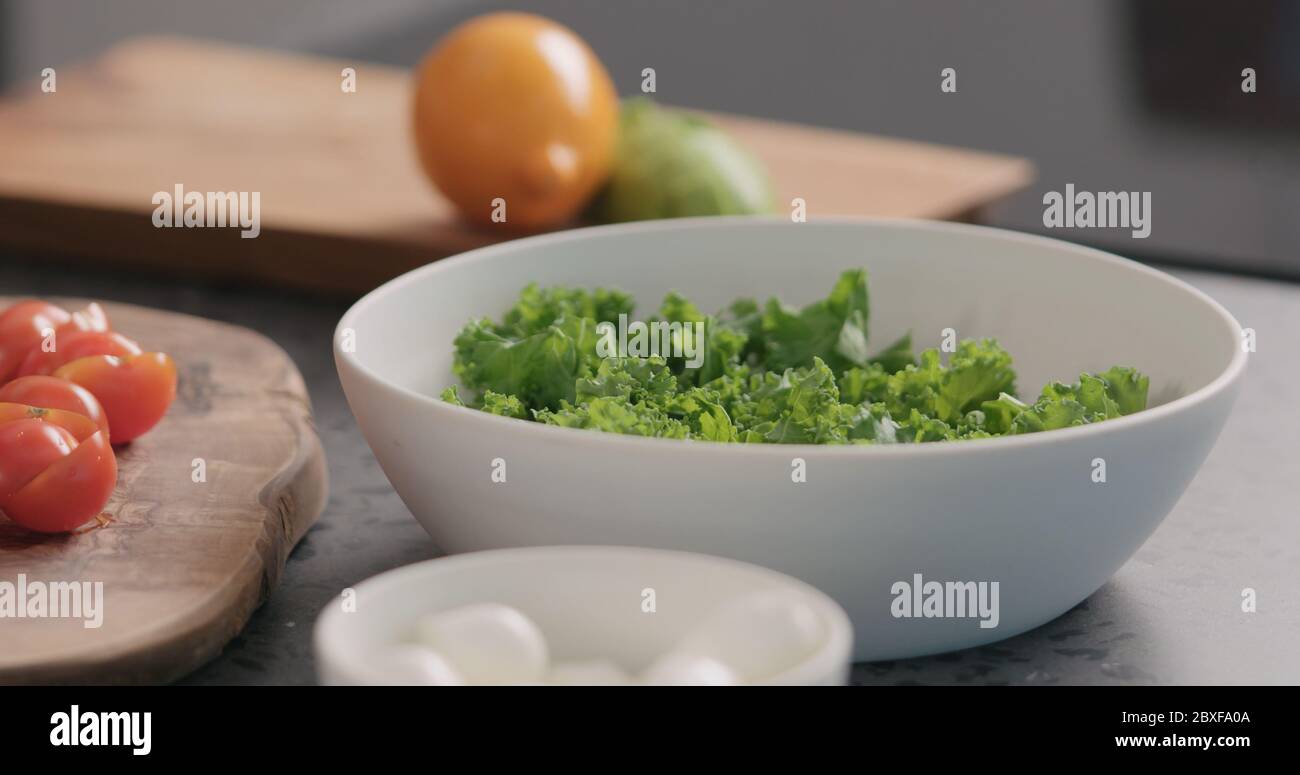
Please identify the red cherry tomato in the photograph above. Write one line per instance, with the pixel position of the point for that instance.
(80, 426)
(27, 324)
(77, 344)
(22, 327)
(48, 481)
(54, 393)
(28, 447)
(135, 390)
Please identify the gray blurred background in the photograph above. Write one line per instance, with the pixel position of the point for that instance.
(1139, 96)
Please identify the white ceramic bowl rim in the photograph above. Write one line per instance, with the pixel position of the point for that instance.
(833, 654)
(629, 442)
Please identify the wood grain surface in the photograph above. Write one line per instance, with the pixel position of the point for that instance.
(344, 205)
(183, 563)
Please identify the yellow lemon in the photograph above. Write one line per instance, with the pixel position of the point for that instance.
(513, 109)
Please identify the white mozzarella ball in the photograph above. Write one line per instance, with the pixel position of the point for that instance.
(407, 665)
(595, 672)
(680, 669)
(760, 635)
(487, 643)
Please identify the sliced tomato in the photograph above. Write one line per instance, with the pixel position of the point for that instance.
(28, 447)
(70, 482)
(79, 425)
(134, 390)
(24, 326)
(66, 348)
(28, 324)
(48, 392)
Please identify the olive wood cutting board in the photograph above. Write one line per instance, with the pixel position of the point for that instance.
(207, 507)
(344, 205)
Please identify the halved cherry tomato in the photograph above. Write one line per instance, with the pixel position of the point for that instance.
(54, 393)
(134, 390)
(48, 481)
(79, 425)
(77, 344)
(22, 327)
(28, 447)
(25, 325)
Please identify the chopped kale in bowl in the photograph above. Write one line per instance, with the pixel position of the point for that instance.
(756, 373)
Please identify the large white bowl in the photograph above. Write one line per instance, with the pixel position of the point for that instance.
(587, 601)
(1021, 511)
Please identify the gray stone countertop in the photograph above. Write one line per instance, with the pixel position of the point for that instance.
(1173, 614)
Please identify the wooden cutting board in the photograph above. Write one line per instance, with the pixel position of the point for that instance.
(183, 562)
(344, 205)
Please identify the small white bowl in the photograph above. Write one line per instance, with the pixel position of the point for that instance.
(1022, 511)
(587, 600)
